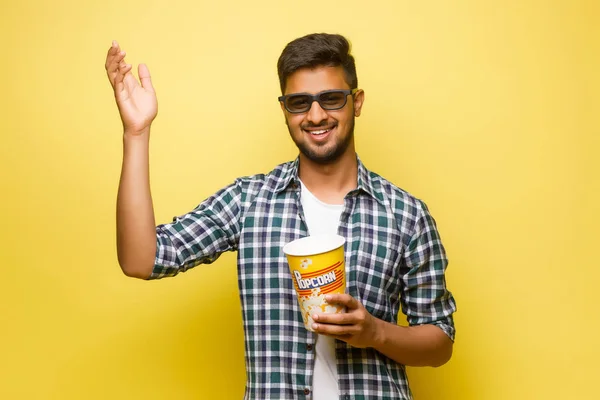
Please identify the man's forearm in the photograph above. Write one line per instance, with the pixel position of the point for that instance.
(417, 346)
(136, 229)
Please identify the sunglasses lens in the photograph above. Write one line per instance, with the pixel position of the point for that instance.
(298, 103)
(332, 100)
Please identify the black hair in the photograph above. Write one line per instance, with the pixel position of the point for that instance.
(316, 50)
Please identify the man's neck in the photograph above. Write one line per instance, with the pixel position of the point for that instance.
(330, 182)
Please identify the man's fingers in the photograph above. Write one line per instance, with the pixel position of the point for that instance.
(130, 81)
(116, 61)
(335, 330)
(113, 49)
(113, 52)
(120, 77)
(119, 71)
(337, 319)
(145, 79)
(342, 299)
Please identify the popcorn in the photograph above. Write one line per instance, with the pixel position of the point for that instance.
(316, 303)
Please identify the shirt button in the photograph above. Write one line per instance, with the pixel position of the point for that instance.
(307, 391)
(309, 347)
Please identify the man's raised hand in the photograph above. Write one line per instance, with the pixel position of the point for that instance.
(136, 100)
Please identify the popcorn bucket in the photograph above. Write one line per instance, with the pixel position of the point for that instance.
(317, 267)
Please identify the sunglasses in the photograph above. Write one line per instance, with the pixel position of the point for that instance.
(328, 100)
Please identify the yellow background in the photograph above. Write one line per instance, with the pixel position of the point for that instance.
(487, 110)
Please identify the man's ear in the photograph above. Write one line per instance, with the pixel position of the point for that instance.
(284, 111)
(285, 114)
(359, 99)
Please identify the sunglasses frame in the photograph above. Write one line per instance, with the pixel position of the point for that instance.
(315, 97)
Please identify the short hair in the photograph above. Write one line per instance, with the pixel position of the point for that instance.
(317, 50)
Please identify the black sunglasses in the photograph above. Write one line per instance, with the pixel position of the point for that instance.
(297, 103)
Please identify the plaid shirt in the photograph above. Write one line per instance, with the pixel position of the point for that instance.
(394, 257)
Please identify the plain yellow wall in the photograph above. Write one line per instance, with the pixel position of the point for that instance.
(487, 110)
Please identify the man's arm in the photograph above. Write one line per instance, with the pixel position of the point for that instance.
(136, 228)
(136, 100)
(417, 346)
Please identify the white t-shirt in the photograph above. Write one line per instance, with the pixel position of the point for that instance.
(322, 218)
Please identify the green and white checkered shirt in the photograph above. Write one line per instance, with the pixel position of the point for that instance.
(394, 258)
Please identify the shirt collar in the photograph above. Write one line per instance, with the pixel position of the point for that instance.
(288, 175)
(365, 182)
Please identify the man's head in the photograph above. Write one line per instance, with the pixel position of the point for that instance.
(320, 98)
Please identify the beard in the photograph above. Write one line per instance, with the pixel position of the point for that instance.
(324, 157)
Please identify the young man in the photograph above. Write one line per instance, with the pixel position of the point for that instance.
(394, 256)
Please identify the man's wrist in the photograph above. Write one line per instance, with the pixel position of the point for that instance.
(136, 133)
(380, 333)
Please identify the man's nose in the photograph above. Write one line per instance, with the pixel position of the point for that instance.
(316, 114)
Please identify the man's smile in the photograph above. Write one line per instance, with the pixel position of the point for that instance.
(319, 133)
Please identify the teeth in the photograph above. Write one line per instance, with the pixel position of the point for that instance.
(319, 132)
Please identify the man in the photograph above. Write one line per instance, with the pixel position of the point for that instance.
(394, 256)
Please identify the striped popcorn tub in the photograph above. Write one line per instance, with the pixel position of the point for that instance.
(317, 268)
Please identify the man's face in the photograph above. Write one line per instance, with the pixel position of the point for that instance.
(322, 136)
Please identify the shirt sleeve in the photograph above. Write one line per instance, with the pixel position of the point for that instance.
(200, 236)
(425, 298)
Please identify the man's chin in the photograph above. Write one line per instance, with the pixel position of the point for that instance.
(322, 158)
